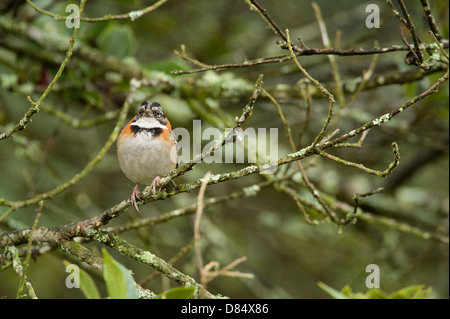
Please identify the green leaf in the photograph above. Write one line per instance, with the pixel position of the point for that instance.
(117, 40)
(347, 291)
(332, 292)
(87, 284)
(177, 293)
(375, 293)
(118, 279)
(411, 292)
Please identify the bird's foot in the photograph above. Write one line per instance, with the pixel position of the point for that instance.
(135, 196)
(155, 181)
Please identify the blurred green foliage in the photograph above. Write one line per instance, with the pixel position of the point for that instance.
(410, 292)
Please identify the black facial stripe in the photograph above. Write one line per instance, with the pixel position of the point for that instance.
(150, 103)
(162, 120)
(155, 131)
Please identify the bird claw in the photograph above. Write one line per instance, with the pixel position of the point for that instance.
(135, 196)
(153, 186)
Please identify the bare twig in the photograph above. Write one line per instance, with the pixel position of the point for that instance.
(412, 30)
(198, 217)
(305, 178)
(183, 55)
(440, 45)
(26, 263)
(333, 59)
(321, 89)
(430, 20)
(362, 167)
(357, 197)
(396, 13)
(222, 67)
(304, 91)
(13, 254)
(226, 271)
(269, 20)
(302, 51)
(133, 15)
(355, 145)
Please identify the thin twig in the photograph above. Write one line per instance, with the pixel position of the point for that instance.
(304, 91)
(356, 199)
(411, 50)
(132, 15)
(396, 13)
(301, 51)
(269, 20)
(183, 55)
(412, 30)
(355, 145)
(222, 67)
(430, 20)
(13, 254)
(362, 167)
(26, 263)
(333, 59)
(305, 178)
(321, 89)
(198, 217)
(440, 45)
(327, 44)
(226, 271)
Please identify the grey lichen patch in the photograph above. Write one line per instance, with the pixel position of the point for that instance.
(382, 119)
(212, 179)
(352, 133)
(147, 257)
(135, 14)
(102, 237)
(90, 232)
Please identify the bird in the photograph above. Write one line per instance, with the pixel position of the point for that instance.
(146, 148)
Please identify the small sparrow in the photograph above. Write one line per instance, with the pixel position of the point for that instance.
(146, 148)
